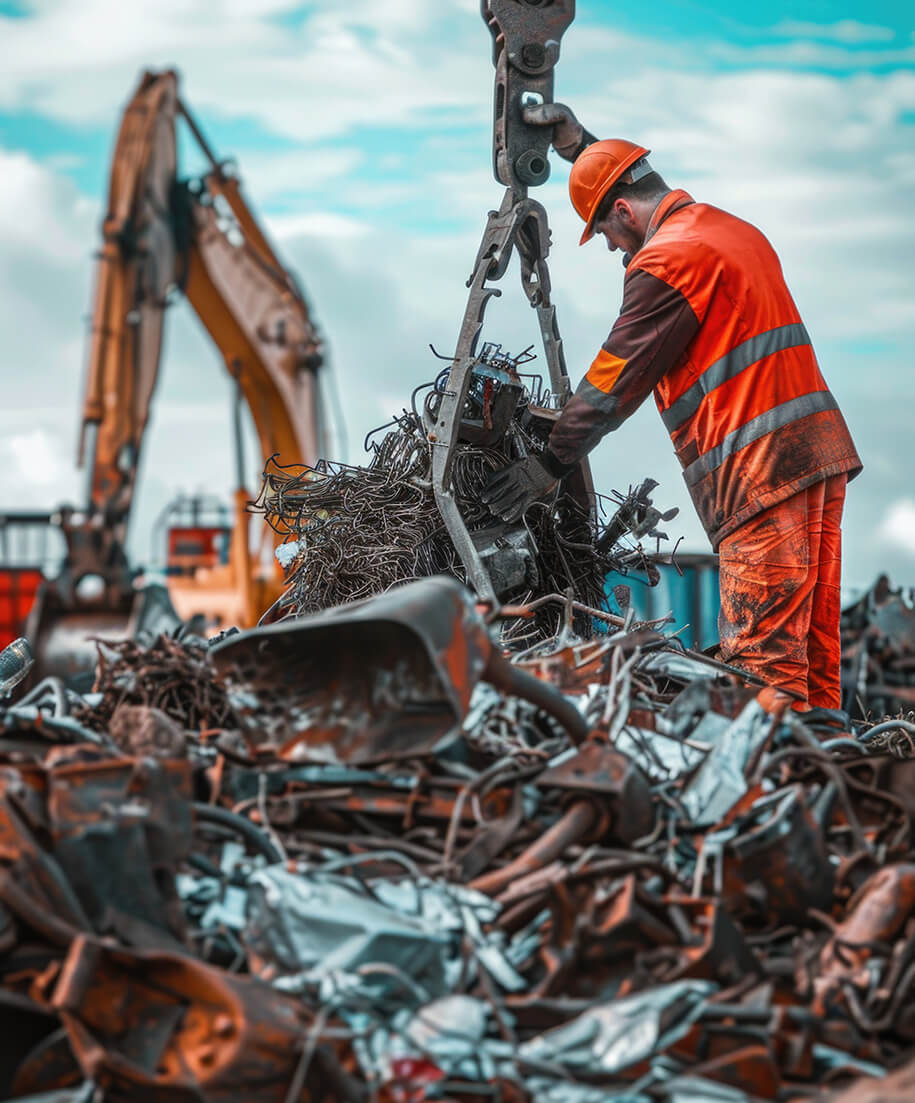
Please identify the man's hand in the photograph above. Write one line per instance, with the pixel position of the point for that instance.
(509, 491)
(569, 136)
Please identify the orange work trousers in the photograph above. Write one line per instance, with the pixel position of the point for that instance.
(779, 579)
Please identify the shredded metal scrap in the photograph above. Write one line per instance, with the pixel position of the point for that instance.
(170, 675)
(706, 899)
(356, 531)
(878, 655)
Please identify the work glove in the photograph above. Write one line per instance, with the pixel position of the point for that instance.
(509, 491)
(569, 136)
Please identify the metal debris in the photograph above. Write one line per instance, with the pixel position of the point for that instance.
(361, 856)
(170, 675)
(878, 655)
(16, 660)
(354, 532)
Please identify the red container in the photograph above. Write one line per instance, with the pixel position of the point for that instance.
(18, 586)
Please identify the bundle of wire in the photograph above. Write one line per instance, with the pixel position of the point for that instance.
(355, 531)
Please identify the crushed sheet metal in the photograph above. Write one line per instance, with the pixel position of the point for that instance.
(707, 899)
(616, 1035)
(719, 781)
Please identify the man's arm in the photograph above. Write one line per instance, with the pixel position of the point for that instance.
(655, 325)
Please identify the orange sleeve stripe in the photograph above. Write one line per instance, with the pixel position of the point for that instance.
(605, 371)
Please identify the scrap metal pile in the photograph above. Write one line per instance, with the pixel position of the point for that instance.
(388, 864)
(878, 658)
(352, 532)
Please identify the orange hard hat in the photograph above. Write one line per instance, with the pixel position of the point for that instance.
(594, 173)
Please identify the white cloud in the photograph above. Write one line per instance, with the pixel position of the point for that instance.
(46, 235)
(36, 473)
(41, 212)
(898, 526)
(296, 173)
(849, 31)
(347, 67)
(32, 460)
(801, 53)
(320, 224)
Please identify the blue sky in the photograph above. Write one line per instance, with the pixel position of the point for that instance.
(362, 133)
(756, 24)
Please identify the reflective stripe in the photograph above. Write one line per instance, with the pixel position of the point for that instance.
(595, 397)
(773, 419)
(605, 370)
(737, 360)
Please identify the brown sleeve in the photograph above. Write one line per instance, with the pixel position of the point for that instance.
(655, 325)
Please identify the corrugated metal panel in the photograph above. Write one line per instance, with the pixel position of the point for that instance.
(688, 591)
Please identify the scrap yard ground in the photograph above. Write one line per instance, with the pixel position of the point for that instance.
(347, 857)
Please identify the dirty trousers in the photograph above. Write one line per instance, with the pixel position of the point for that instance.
(779, 580)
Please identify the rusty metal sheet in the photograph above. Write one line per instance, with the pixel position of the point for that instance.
(390, 676)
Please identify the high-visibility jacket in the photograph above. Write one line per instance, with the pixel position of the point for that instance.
(708, 323)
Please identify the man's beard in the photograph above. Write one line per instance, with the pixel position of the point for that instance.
(635, 244)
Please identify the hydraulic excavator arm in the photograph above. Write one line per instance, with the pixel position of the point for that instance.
(255, 314)
(161, 236)
(135, 272)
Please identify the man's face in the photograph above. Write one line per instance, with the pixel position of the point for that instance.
(619, 230)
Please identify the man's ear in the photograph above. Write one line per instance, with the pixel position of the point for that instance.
(624, 212)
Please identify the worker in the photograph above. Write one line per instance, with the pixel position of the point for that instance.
(709, 325)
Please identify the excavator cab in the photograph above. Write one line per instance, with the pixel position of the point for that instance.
(196, 532)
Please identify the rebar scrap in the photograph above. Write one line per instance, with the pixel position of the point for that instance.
(357, 531)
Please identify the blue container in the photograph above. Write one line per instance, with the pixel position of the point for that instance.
(690, 594)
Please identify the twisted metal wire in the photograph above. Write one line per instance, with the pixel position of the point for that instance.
(359, 530)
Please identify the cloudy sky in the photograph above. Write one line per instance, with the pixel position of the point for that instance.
(362, 133)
